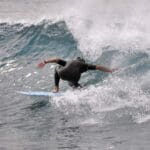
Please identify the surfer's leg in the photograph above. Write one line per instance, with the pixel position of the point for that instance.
(78, 85)
(57, 79)
(74, 84)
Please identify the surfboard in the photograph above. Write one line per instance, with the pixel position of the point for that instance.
(39, 93)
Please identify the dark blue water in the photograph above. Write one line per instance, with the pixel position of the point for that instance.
(112, 111)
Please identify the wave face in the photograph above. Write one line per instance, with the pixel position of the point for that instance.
(103, 32)
(18, 40)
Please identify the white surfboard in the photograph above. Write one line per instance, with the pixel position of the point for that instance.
(39, 93)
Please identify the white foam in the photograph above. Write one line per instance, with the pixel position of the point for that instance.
(90, 121)
(141, 119)
(99, 23)
(114, 93)
(28, 75)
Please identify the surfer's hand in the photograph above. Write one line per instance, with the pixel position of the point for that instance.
(41, 65)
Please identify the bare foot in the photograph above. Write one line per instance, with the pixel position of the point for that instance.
(56, 89)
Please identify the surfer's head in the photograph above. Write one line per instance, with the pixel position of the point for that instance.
(80, 59)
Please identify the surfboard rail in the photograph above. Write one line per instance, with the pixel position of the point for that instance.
(39, 93)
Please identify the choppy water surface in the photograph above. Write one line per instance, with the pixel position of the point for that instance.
(111, 111)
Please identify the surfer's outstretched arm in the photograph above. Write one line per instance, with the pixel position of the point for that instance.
(52, 60)
(104, 69)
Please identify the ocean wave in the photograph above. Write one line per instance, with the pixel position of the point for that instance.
(22, 45)
(18, 40)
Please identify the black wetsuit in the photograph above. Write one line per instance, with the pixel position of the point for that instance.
(71, 71)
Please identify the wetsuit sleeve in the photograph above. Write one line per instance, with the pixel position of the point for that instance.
(91, 67)
(61, 62)
(85, 67)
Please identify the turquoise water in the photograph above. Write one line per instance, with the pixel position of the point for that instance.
(112, 111)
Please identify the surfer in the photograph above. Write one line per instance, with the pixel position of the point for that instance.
(71, 71)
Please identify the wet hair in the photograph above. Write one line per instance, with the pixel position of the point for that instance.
(80, 59)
